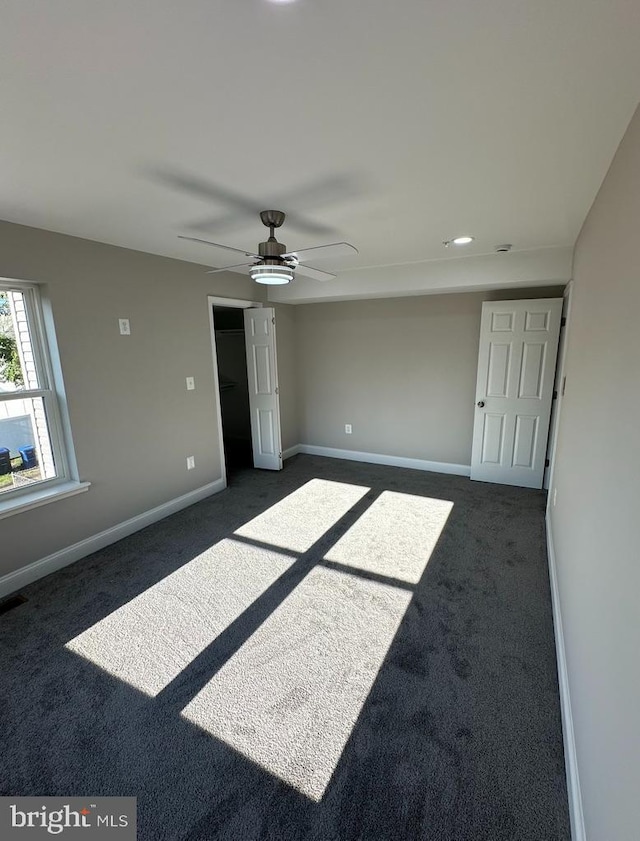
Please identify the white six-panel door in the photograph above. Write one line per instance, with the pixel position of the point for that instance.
(514, 390)
(260, 339)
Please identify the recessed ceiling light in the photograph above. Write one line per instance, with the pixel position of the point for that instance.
(462, 240)
(281, 2)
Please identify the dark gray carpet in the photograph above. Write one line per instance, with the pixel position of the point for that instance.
(456, 735)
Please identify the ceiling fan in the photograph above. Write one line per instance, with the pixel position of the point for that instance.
(274, 265)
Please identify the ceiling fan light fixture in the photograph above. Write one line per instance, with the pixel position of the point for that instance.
(275, 265)
(271, 275)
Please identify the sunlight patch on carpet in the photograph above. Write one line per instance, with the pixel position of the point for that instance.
(394, 537)
(299, 520)
(290, 697)
(148, 641)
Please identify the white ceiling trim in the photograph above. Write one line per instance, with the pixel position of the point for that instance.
(539, 267)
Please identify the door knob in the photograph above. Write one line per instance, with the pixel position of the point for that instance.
(480, 404)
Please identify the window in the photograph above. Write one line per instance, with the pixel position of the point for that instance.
(33, 456)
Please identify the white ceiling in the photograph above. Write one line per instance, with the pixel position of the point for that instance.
(394, 125)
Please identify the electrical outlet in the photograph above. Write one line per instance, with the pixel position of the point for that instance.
(125, 327)
(191, 383)
(191, 462)
(348, 428)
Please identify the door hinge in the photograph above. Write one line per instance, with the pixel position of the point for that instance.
(563, 321)
(546, 462)
(555, 395)
(277, 390)
(564, 384)
(273, 319)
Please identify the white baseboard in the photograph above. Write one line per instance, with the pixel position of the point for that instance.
(38, 569)
(292, 451)
(380, 458)
(578, 832)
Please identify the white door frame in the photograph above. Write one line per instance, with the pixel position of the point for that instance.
(559, 386)
(236, 303)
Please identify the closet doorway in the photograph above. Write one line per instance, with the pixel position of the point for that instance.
(233, 386)
(243, 339)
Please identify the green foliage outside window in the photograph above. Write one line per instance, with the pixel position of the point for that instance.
(10, 370)
(10, 361)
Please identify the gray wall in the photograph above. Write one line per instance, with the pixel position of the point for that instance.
(132, 419)
(402, 371)
(595, 520)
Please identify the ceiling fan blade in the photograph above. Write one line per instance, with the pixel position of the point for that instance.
(218, 245)
(316, 252)
(229, 268)
(316, 274)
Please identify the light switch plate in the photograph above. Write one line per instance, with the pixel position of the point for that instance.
(125, 327)
(191, 383)
(191, 462)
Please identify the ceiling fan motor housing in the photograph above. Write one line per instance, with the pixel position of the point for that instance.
(272, 249)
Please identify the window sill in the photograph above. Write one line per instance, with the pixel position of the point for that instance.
(41, 496)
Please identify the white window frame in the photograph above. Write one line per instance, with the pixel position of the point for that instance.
(50, 388)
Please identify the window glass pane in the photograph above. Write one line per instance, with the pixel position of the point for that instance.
(26, 455)
(17, 363)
